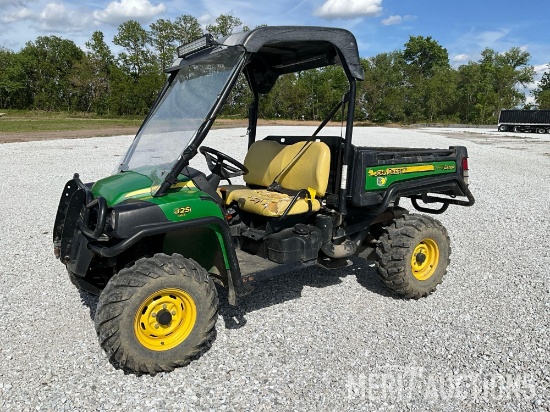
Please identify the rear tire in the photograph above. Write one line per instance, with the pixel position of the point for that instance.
(413, 255)
(157, 315)
(503, 128)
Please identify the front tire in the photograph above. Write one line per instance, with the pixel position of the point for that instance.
(413, 255)
(157, 315)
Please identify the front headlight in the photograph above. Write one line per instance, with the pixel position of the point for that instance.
(110, 224)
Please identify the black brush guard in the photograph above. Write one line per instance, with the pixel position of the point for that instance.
(78, 210)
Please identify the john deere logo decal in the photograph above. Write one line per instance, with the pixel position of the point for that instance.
(182, 211)
(381, 181)
(400, 170)
(382, 177)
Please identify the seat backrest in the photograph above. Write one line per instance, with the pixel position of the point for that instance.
(303, 165)
(334, 143)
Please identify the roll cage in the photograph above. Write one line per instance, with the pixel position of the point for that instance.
(269, 53)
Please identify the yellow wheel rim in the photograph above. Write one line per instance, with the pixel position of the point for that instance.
(424, 259)
(165, 319)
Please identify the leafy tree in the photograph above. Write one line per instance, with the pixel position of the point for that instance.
(424, 55)
(135, 86)
(48, 64)
(381, 95)
(284, 100)
(409, 85)
(239, 99)
(122, 99)
(137, 57)
(224, 26)
(491, 84)
(163, 38)
(468, 92)
(91, 77)
(187, 29)
(12, 84)
(423, 58)
(102, 62)
(440, 95)
(322, 88)
(131, 96)
(513, 70)
(308, 95)
(542, 92)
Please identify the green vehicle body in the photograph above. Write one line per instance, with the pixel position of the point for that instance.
(183, 202)
(103, 227)
(203, 240)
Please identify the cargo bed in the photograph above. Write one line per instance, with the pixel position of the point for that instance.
(381, 175)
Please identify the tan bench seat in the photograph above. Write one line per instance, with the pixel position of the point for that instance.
(304, 165)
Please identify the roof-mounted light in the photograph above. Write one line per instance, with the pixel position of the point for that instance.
(196, 45)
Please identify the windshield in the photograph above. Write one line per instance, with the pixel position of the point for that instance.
(179, 114)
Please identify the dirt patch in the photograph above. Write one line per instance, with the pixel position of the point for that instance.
(117, 131)
(65, 134)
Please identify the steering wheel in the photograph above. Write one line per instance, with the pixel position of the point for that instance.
(221, 164)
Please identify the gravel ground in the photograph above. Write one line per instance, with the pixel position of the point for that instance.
(309, 340)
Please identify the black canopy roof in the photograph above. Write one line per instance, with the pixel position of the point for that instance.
(287, 49)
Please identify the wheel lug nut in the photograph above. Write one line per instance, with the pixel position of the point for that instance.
(173, 313)
(156, 325)
(154, 314)
(164, 306)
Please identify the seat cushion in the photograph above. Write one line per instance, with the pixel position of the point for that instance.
(303, 165)
(226, 192)
(271, 204)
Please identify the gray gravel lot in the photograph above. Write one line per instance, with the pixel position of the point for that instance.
(309, 340)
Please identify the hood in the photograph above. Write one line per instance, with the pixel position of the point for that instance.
(122, 186)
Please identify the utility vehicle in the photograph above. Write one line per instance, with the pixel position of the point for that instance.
(153, 238)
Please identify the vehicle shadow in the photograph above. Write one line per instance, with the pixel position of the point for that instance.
(90, 301)
(281, 288)
(289, 286)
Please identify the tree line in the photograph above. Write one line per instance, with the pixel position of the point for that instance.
(415, 84)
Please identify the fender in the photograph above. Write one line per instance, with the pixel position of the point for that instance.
(236, 288)
(76, 248)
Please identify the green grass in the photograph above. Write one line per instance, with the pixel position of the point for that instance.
(33, 121)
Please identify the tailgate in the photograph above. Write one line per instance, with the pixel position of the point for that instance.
(381, 175)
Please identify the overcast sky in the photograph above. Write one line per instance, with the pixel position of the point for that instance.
(463, 27)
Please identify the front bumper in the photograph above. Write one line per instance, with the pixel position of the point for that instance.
(80, 218)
